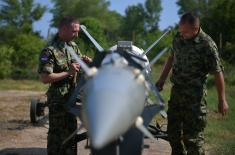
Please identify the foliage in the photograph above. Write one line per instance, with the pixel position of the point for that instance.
(133, 23)
(7, 32)
(16, 19)
(25, 55)
(228, 53)
(20, 14)
(78, 8)
(5, 63)
(140, 24)
(153, 10)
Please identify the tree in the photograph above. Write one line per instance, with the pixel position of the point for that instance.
(133, 24)
(201, 7)
(140, 20)
(25, 56)
(5, 63)
(7, 33)
(20, 14)
(20, 44)
(97, 9)
(78, 8)
(153, 10)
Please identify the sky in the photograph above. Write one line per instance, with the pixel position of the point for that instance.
(169, 16)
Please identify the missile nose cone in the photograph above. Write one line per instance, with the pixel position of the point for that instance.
(112, 101)
(107, 118)
(104, 130)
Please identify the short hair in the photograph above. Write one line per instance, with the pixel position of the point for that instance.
(190, 18)
(67, 20)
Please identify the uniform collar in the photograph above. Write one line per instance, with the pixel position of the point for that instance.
(61, 44)
(197, 39)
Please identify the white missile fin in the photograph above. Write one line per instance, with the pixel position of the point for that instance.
(163, 114)
(158, 56)
(136, 71)
(155, 43)
(140, 78)
(139, 125)
(96, 44)
(92, 71)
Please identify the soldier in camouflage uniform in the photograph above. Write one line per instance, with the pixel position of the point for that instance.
(194, 56)
(57, 68)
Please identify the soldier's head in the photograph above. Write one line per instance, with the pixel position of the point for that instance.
(68, 28)
(189, 25)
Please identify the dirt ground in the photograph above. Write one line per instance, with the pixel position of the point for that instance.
(18, 136)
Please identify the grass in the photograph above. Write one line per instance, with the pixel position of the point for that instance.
(14, 108)
(26, 85)
(220, 131)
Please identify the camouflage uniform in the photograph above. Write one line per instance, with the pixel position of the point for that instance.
(55, 59)
(193, 60)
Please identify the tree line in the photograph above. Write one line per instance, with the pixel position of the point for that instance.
(20, 44)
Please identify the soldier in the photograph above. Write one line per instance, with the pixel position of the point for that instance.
(57, 68)
(194, 56)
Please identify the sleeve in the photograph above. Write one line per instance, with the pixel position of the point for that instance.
(213, 62)
(46, 62)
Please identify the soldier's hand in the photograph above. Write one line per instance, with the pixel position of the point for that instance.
(74, 67)
(159, 84)
(223, 107)
(86, 59)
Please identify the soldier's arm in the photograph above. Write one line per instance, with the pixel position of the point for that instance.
(219, 82)
(166, 69)
(215, 67)
(46, 66)
(54, 77)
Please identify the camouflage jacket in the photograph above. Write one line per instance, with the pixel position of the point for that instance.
(193, 60)
(55, 58)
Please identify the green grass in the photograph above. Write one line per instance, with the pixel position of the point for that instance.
(27, 85)
(220, 131)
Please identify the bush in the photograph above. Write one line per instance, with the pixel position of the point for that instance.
(25, 56)
(5, 63)
(228, 54)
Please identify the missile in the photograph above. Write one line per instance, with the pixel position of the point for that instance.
(113, 99)
(115, 95)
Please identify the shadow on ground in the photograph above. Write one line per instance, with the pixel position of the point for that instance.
(24, 151)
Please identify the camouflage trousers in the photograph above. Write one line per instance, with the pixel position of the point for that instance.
(61, 125)
(186, 120)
